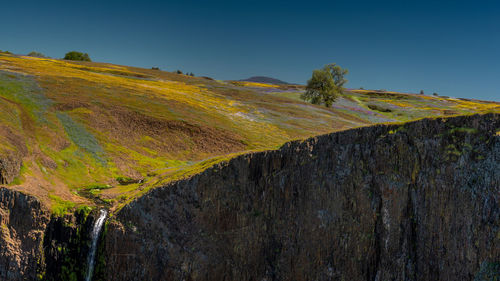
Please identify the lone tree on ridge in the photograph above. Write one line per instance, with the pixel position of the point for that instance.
(36, 54)
(74, 55)
(325, 85)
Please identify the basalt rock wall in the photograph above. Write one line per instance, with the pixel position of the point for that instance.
(22, 224)
(36, 245)
(418, 201)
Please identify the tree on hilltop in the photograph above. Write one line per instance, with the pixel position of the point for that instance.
(325, 85)
(78, 56)
(37, 54)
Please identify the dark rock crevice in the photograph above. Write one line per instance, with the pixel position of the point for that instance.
(65, 247)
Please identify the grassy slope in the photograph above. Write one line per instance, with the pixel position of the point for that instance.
(81, 126)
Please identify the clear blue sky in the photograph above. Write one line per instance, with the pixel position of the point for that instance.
(449, 47)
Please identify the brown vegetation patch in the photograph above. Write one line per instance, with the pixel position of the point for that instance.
(56, 140)
(450, 112)
(292, 87)
(46, 161)
(14, 140)
(169, 136)
(118, 72)
(350, 117)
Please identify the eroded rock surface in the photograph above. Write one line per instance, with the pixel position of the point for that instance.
(22, 225)
(418, 201)
(10, 165)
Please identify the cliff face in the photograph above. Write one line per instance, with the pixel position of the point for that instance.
(22, 225)
(418, 201)
(37, 246)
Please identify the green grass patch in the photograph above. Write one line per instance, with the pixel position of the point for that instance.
(93, 190)
(60, 207)
(291, 95)
(78, 169)
(84, 209)
(98, 186)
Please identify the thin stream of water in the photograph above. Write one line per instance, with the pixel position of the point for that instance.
(95, 237)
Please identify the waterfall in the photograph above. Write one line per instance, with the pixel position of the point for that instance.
(95, 236)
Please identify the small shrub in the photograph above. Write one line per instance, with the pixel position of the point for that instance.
(155, 68)
(421, 92)
(78, 56)
(127, 180)
(435, 94)
(379, 108)
(178, 71)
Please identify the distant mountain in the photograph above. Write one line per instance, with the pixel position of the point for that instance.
(264, 79)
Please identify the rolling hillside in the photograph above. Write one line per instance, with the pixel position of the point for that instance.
(75, 133)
